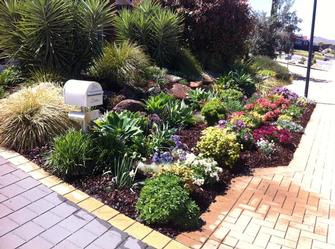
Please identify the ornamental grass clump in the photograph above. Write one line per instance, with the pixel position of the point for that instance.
(71, 155)
(220, 144)
(32, 117)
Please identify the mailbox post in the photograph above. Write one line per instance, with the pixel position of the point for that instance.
(85, 94)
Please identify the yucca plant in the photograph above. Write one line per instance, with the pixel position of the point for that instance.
(123, 63)
(32, 117)
(157, 29)
(58, 35)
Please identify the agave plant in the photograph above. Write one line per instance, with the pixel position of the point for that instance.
(156, 28)
(58, 35)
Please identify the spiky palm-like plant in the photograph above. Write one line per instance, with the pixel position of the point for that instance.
(57, 35)
(157, 29)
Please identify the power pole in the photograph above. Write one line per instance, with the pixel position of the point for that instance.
(311, 50)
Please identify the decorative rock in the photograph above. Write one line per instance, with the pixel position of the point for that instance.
(179, 91)
(196, 84)
(172, 78)
(130, 105)
(207, 79)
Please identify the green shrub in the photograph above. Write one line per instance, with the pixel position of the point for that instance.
(228, 94)
(239, 80)
(163, 200)
(120, 64)
(155, 28)
(71, 155)
(261, 63)
(58, 35)
(11, 76)
(233, 106)
(221, 145)
(213, 111)
(186, 65)
(33, 117)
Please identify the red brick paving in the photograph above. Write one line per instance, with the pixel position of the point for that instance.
(283, 207)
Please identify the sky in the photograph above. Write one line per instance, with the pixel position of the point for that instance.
(325, 17)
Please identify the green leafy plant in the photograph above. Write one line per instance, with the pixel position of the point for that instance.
(213, 111)
(156, 104)
(32, 117)
(160, 138)
(163, 200)
(197, 97)
(58, 35)
(233, 106)
(220, 144)
(11, 76)
(123, 172)
(2, 92)
(117, 134)
(239, 80)
(155, 28)
(293, 111)
(178, 114)
(156, 74)
(123, 63)
(174, 112)
(71, 155)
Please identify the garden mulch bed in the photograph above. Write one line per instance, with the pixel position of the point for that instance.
(101, 187)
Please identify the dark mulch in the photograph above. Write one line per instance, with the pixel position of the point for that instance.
(101, 187)
(191, 136)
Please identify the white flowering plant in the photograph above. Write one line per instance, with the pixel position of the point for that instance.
(266, 147)
(206, 170)
(290, 125)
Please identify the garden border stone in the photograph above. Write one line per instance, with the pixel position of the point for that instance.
(95, 207)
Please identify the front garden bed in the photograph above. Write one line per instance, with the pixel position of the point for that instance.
(125, 199)
(165, 145)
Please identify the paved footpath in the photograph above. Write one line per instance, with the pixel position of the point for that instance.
(33, 216)
(283, 207)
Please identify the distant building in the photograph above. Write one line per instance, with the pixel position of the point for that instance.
(302, 43)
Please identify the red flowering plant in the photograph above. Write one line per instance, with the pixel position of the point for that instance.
(272, 133)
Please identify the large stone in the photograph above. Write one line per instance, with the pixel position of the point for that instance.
(179, 91)
(130, 105)
(195, 84)
(172, 78)
(207, 79)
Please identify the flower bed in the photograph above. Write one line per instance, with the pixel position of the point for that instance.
(204, 158)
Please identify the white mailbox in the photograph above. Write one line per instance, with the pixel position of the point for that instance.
(83, 93)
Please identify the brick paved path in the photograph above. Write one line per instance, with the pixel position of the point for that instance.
(284, 207)
(33, 216)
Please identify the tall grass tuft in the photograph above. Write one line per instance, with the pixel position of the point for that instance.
(32, 117)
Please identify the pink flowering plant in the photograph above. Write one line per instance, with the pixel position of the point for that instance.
(271, 132)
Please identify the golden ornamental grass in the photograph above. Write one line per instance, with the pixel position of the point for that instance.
(32, 117)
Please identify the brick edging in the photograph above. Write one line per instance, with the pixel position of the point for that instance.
(97, 208)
